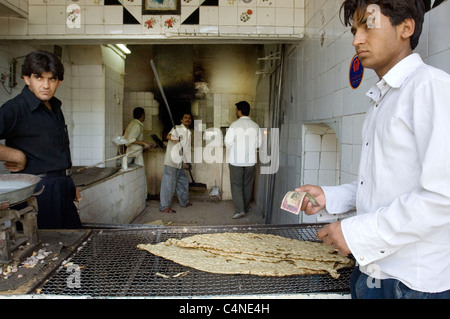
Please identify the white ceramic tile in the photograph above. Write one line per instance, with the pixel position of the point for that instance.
(113, 29)
(312, 160)
(95, 29)
(227, 3)
(56, 15)
(132, 29)
(246, 3)
(4, 25)
(228, 30)
(284, 30)
(312, 143)
(37, 15)
(37, 2)
(285, 3)
(190, 29)
(327, 177)
(209, 29)
(266, 17)
(93, 2)
(56, 29)
(284, 17)
(299, 3)
(113, 15)
(209, 15)
(299, 17)
(17, 26)
(92, 15)
(228, 16)
(266, 3)
(37, 29)
(56, 2)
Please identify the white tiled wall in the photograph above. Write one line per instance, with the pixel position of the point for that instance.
(118, 200)
(317, 90)
(228, 18)
(88, 114)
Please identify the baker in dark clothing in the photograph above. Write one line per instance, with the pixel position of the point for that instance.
(37, 142)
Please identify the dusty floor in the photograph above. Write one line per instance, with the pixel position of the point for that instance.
(201, 213)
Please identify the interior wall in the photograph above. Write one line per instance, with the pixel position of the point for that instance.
(317, 90)
(217, 76)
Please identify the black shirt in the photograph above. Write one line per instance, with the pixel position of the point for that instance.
(28, 125)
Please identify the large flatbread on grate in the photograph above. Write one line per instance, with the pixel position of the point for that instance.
(249, 253)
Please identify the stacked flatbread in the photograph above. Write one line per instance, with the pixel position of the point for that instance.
(250, 253)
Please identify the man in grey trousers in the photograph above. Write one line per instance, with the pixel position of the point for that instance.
(242, 139)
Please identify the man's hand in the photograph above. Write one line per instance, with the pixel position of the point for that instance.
(78, 197)
(331, 235)
(15, 160)
(319, 195)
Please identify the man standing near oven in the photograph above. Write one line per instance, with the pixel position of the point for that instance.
(242, 140)
(400, 234)
(37, 142)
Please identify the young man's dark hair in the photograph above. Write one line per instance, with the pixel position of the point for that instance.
(396, 10)
(138, 112)
(244, 107)
(39, 62)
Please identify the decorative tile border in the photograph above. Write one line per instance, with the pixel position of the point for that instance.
(123, 17)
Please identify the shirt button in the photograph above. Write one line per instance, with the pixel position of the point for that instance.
(382, 251)
(362, 182)
(361, 258)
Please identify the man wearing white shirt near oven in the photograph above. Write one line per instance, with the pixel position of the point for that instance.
(401, 232)
(242, 140)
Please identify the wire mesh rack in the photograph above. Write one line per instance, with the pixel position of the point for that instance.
(108, 264)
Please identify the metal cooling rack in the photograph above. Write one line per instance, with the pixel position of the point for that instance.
(110, 265)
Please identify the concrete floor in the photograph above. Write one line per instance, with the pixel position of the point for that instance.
(201, 213)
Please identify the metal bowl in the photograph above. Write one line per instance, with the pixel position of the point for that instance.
(15, 188)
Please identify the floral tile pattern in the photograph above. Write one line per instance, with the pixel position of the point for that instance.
(105, 17)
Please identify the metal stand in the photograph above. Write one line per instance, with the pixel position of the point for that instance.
(10, 237)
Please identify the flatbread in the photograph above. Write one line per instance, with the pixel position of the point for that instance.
(226, 259)
(263, 245)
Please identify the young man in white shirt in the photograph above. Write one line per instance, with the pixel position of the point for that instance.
(174, 179)
(242, 139)
(400, 235)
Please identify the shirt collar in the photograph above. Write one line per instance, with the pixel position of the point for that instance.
(400, 72)
(139, 122)
(395, 76)
(33, 102)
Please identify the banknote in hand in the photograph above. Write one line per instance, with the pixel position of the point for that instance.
(292, 201)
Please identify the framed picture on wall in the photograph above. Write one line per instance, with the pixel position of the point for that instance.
(161, 7)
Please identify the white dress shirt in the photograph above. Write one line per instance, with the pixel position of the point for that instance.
(133, 132)
(178, 152)
(402, 195)
(242, 139)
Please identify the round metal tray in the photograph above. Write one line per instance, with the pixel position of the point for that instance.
(15, 188)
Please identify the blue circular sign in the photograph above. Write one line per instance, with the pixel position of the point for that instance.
(356, 72)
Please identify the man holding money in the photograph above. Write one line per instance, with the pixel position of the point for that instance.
(400, 234)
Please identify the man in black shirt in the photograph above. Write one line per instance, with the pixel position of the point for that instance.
(37, 142)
